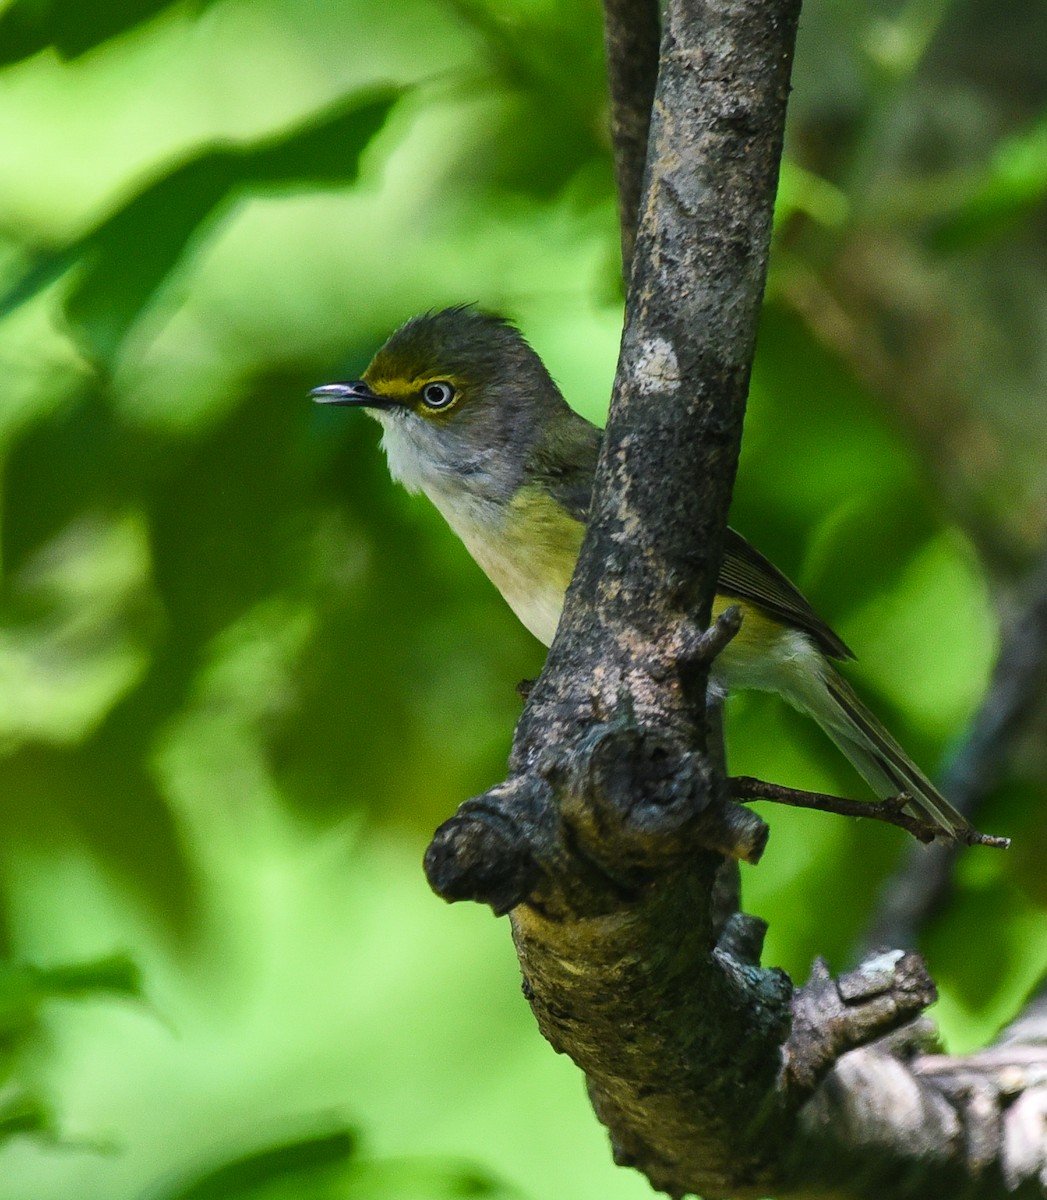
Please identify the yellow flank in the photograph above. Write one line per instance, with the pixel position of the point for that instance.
(770, 656)
(536, 522)
(529, 555)
(758, 630)
(531, 558)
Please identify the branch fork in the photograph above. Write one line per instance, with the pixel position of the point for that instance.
(833, 1016)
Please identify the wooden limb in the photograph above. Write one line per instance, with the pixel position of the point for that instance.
(599, 842)
(631, 38)
(833, 1016)
(727, 888)
(891, 811)
(974, 1124)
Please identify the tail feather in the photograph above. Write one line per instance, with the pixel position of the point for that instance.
(878, 758)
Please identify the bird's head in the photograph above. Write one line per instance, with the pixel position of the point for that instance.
(462, 398)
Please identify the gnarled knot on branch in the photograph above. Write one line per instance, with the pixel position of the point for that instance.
(600, 814)
(885, 992)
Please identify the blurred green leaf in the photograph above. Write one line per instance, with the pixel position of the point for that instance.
(76, 619)
(128, 257)
(285, 1164)
(801, 191)
(125, 260)
(24, 1113)
(1012, 185)
(325, 1167)
(45, 269)
(242, 675)
(19, 1000)
(420, 1180)
(24, 987)
(546, 82)
(116, 975)
(859, 550)
(71, 27)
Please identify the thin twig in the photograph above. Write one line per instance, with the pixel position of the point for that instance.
(891, 811)
(631, 39)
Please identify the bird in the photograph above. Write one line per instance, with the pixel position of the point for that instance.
(472, 419)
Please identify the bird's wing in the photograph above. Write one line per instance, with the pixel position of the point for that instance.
(747, 575)
(568, 473)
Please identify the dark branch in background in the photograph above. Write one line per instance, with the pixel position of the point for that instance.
(631, 39)
(917, 890)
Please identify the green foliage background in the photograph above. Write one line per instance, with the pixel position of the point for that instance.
(242, 677)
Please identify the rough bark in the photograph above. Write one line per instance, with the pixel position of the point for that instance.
(603, 842)
(606, 843)
(631, 40)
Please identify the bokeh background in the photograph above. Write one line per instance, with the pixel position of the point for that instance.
(242, 676)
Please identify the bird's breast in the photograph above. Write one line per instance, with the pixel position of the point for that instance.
(526, 547)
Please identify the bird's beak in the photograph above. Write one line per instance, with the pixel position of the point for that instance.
(354, 393)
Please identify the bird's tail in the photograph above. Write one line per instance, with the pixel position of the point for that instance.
(876, 756)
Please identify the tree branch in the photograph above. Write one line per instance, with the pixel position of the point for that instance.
(973, 1125)
(604, 827)
(631, 40)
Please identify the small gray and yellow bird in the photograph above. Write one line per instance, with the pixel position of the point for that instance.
(472, 418)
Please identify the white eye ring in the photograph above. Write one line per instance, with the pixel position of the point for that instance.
(437, 394)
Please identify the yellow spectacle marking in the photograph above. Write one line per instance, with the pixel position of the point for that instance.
(408, 391)
(395, 389)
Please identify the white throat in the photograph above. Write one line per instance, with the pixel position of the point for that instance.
(421, 460)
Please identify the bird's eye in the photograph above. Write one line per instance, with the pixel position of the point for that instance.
(437, 394)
